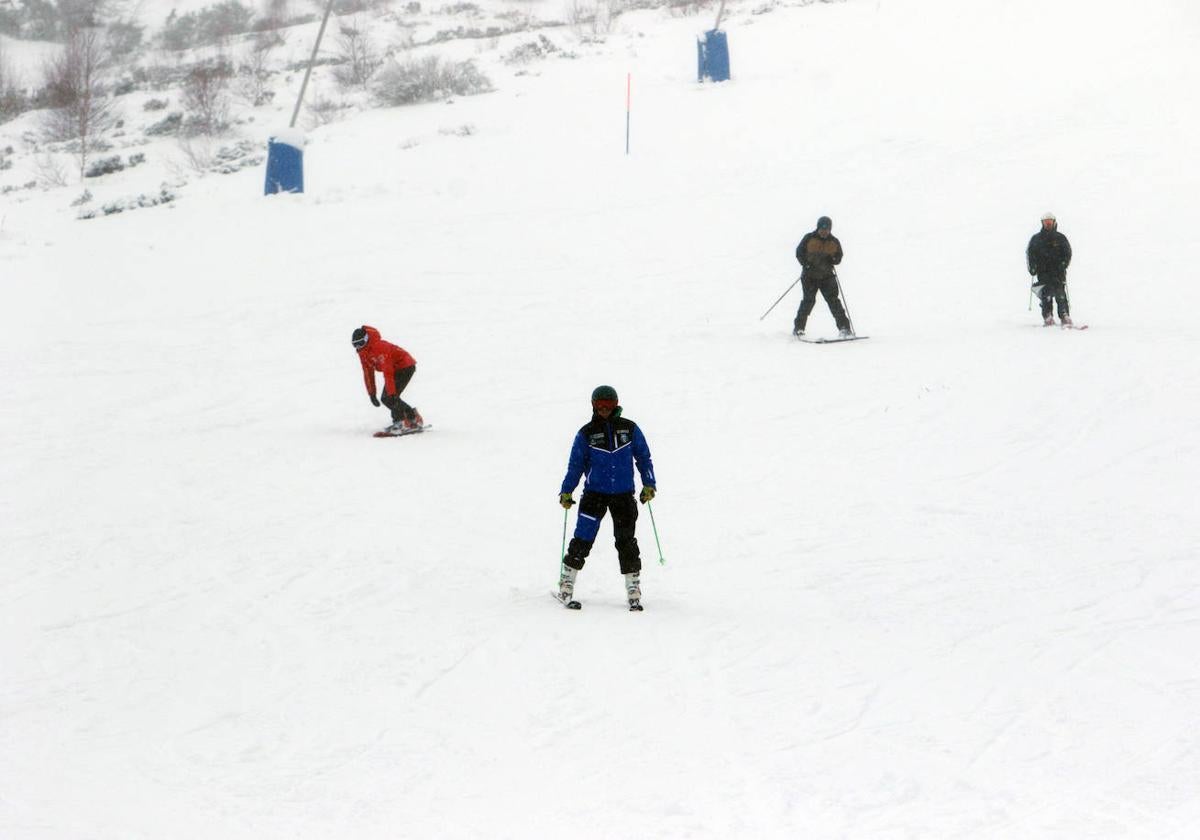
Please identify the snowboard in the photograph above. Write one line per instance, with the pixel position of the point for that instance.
(390, 432)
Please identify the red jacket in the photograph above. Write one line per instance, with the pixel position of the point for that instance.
(385, 357)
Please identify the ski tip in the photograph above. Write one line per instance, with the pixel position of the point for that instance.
(571, 605)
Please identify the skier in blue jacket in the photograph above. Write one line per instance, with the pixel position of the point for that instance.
(605, 451)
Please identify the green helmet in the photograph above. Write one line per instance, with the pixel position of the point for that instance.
(604, 392)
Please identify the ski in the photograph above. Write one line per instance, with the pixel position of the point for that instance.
(571, 604)
(391, 432)
(831, 340)
(1075, 326)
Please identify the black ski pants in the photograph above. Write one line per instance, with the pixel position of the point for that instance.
(828, 287)
(1053, 290)
(592, 507)
(400, 409)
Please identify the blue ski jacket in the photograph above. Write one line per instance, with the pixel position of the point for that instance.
(604, 452)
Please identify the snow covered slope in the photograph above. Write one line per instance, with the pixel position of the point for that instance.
(942, 583)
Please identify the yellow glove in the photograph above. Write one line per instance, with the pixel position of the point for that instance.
(565, 500)
(647, 495)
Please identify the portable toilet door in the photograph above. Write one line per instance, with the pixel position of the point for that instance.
(285, 163)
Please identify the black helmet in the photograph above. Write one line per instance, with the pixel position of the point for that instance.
(824, 223)
(604, 392)
(359, 338)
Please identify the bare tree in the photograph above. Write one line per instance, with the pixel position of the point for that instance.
(254, 74)
(48, 170)
(359, 57)
(80, 108)
(594, 19)
(205, 98)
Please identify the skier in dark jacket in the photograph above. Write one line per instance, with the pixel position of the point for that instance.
(1048, 255)
(604, 452)
(818, 253)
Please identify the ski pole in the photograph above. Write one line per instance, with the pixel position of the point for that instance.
(563, 553)
(1030, 307)
(661, 560)
(845, 301)
(781, 297)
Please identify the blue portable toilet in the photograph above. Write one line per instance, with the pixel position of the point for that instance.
(714, 56)
(285, 162)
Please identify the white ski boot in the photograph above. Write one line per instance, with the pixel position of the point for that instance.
(566, 587)
(633, 591)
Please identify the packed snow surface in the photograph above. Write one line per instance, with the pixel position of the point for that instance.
(940, 583)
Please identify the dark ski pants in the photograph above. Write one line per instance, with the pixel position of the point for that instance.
(400, 409)
(587, 525)
(1051, 291)
(828, 287)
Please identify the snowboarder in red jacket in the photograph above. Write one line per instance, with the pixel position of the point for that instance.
(397, 367)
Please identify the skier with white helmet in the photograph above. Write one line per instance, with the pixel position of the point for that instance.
(1047, 257)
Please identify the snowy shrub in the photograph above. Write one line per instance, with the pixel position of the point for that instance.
(164, 196)
(593, 19)
(211, 25)
(240, 155)
(155, 104)
(464, 130)
(427, 80)
(84, 198)
(135, 160)
(531, 51)
(6, 159)
(170, 124)
(474, 33)
(8, 188)
(460, 10)
(104, 166)
(323, 110)
(352, 7)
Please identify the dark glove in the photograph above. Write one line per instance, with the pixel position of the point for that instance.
(566, 500)
(646, 495)
(374, 400)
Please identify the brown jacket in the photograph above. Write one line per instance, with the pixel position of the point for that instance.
(818, 256)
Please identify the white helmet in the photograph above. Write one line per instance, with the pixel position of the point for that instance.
(1048, 217)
